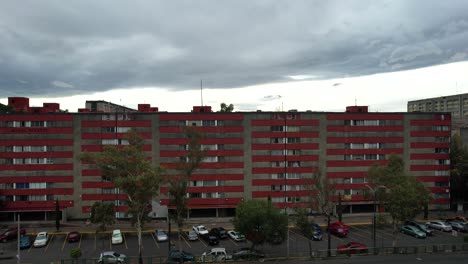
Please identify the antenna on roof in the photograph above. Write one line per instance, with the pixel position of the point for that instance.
(201, 91)
(355, 101)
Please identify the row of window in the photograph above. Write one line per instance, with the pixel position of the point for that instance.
(115, 142)
(29, 124)
(285, 128)
(200, 122)
(27, 185)
(18, 161)
(206, 195)
(113, 116)
(288, 187)
(364, 145)
(365, 157)
(441, 150)
(115, 129)
(294, 164)
(364, 122)
(276, 176)
(290, 152)
(206, 183)
(293, 140)
(440, 128)
(29, 148)
(25, 198)
(289, 199)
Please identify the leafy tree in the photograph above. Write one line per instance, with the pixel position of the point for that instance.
(57, 215)
(103, 215)
(458, 170)
(260, 222)
(322, 199)
(402, 195)
(226, 108)
(6, 109)
(178, 184)
(305, 225)
(132, 172)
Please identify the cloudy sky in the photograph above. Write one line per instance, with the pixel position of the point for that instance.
(269, 55)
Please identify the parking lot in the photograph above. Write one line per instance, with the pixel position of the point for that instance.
(92, 244)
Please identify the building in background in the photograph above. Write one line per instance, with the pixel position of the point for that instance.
(250, 155)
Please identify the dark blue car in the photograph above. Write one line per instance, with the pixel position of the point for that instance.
(25, 242)
(316, 232)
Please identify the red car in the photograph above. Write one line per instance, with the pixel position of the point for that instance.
(11, 233)
(73, 236)
(339, 229)
(352, 248)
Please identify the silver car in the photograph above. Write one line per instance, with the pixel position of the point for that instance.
(192, 235)
(439, 225)
(161, 236)
(111, 257)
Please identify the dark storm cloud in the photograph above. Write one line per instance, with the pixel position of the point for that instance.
(59, 48)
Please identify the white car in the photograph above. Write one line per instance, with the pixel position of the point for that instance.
(216, 254)
(41, 239)
(161, 236)
(236, 236)
(117, 237)
(200, 230)
(439, 225)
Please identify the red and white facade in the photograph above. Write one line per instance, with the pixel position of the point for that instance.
(250, 155)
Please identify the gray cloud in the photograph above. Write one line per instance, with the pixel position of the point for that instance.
(59, 48)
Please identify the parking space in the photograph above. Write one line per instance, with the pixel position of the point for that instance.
(92, 244)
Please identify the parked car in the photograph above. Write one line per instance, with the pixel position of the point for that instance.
(25, 242)
(316, 232)
(211, 239)
(352, 248)
(73, 236)
(111, 257)
(458, 225)
(421, 227)
(339, 229)
(220, 232)
(161, 236)
(176, 255)
(439, 225)
(117, 237)
(215, 254)
(412, 231)
(236, 236)
(248, 254)
(191, 235)
(200, 230)
(41, 239)
(457, 218)
(11, 234)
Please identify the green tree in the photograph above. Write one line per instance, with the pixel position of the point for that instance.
(260, 222)
(322, 193)
(402, 195)
(458, 170)
(132, 172)
(102, 214)
(6, 109)
(304, 224)
(178, 184)
(226, 108)
(57, 214)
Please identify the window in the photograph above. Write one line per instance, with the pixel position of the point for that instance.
(276, 128)
(441, 184)
(277, 140)
(194, 195)
(183, 147)
(181, 123)
(209, 183)
(277, 187)
(22, 185)
(441, 173)
(108, 190)
(292, 129)
(294, 152)
(441, 195)
(210, 159)
(294, 164)
(277, 176)
(220, 123)
(209, 123)
(276, 152)
(440, 128)
(441, 150)
(293, 175)
(208, 147)
(220, 146)
(442, 139)
(443, 162)
(37, 185)
(294, 140)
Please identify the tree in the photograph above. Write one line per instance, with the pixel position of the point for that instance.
(102, 214)
(57, 215)
(305, 225)
(402, 195)
(260, 222)
(458, 171)
(132, 172)
(178, 184)
(226, 108)
(322, 194)
(6, 109)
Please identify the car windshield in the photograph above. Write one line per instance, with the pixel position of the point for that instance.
(116, 235)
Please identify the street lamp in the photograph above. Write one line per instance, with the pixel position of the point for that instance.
(374, 220)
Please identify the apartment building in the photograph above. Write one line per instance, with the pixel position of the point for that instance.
(250, 155)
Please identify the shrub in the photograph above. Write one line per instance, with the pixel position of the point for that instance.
(75, 253)
(465, 239)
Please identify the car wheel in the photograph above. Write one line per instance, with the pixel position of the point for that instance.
(4, 241)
